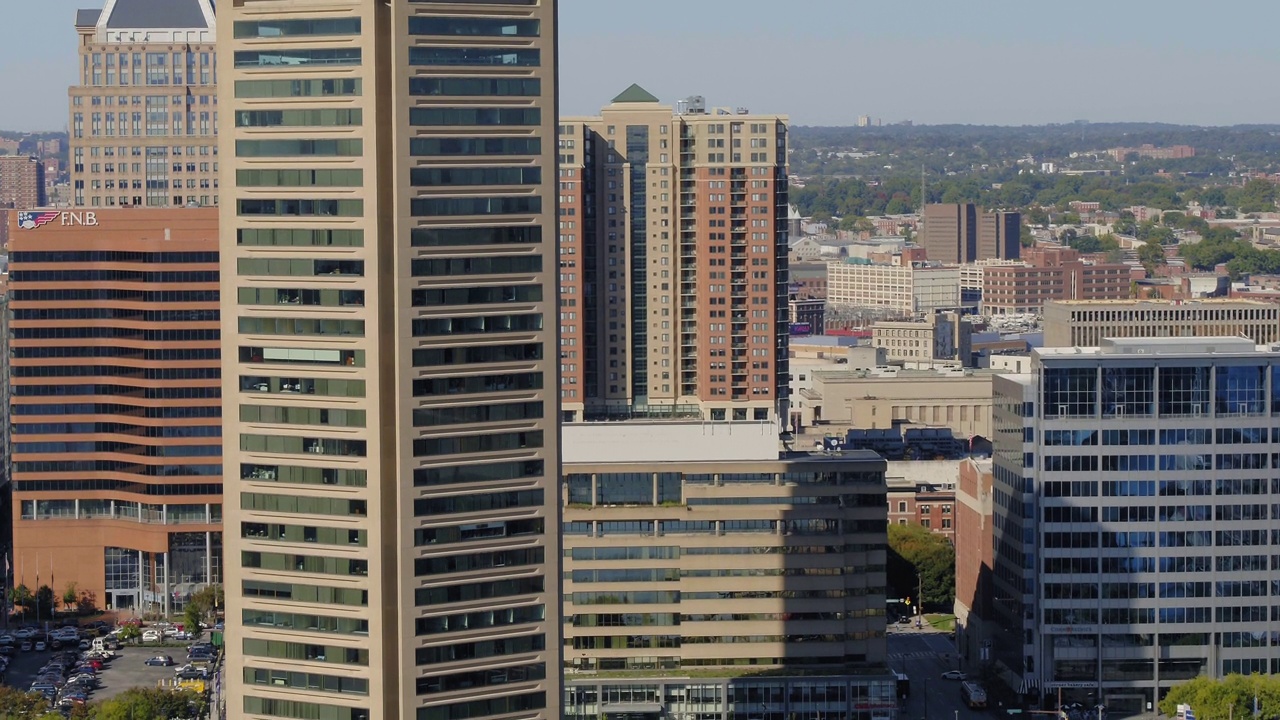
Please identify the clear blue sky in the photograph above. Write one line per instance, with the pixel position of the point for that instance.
(825, 62)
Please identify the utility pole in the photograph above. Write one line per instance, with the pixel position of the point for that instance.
(919, 594)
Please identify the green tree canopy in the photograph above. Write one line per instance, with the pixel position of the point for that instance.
(44, 600)
(1257, 195)
(151, 704)
(1151, 254)
(1090, 244)
(919, 558)
(18, 705)
(1229, 697)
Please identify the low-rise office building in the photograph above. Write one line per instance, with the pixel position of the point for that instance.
(1084, 323)
(1135, 487)
(707, 575)
(882, 397)
(941, 336)
(903, 289)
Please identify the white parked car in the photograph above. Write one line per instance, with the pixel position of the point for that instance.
(25, 634)
(152, 636)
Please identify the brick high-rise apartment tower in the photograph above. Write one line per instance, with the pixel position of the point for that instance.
(388, 260)
(673, 262)
(144, 111)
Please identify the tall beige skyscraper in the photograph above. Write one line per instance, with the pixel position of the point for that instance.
(389, 268)
(144, 112)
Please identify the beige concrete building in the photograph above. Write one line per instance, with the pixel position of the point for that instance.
(955, 399)
(673, 262)
(941, 336)
(1084, 323)
(144, 113)
(722, 584)
(901, 289)
(389, 243)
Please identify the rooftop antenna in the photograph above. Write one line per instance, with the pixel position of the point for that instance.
(923, 198)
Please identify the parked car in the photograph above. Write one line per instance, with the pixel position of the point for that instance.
(25, 646)
(954, 675)
(41, 646)
(160, 660)
(152, 636)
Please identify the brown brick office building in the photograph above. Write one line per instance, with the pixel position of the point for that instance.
(116, 411)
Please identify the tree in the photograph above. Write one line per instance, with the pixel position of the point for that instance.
(70, 595)
(921, 559)
(129, 632)
(1067, 236)
(1257, 195)
(18, 705)
(191, 617)
(21, 596)
(1090, 244)
(1229, 697)
(1163, 235)
(898, 206)
(1026, 238)
(44, 601)
(162, 704)
(1213, 197)
(1151, 254)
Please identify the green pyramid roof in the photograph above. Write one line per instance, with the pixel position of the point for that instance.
(635, 94)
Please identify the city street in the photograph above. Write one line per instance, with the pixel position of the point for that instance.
(923, 655)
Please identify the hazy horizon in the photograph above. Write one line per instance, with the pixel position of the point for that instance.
(824, 63)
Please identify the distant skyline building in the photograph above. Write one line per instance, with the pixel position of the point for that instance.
(1050, 273)
(116, 412)
(389, 264)
(897, 291)
(22, 180)
(143, 116)
(673, 261)
(1134, 489)
(959, 233)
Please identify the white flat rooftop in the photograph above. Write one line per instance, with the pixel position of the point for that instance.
(1163, 346)
(668, 440)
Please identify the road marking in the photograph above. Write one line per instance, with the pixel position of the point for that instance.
(912, 655)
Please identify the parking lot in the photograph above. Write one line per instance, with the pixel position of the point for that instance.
(125, 671)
